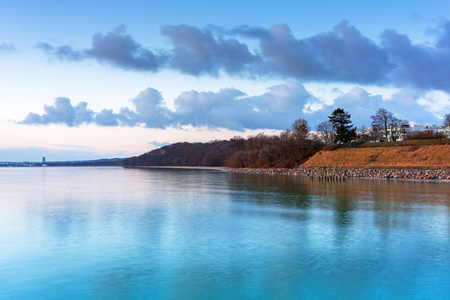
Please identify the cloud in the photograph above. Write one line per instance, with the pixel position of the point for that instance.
(407, 104)
(198, 52)
(361, 105)
(83, 114)
(208, 108)
(358, 102)
(106, 117)
(232, 109)
(7, 48)
(120, 49)
(227, 108)
(62, 52)
(62, 112)
(418, 66)
(343, 55)
(444, 40)
(116, 48)
(150, 109)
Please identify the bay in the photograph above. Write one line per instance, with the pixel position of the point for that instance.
(114, 233)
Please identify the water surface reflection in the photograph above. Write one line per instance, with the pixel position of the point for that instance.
(171, 234)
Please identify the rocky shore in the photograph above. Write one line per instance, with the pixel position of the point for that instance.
(342, 173)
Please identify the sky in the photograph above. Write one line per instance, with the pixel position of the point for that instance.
(103, 79)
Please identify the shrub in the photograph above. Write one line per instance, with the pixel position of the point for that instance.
(354, 144)
(372, 157)
(330, 147)
(424, 135)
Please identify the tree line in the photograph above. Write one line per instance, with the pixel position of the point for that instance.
(289, 149)
(384, 127)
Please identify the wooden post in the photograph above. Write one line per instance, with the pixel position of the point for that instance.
(343, 171)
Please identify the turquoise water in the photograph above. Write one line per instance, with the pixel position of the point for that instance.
(113, 233)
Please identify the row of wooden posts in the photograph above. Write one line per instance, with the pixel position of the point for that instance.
(330, 174)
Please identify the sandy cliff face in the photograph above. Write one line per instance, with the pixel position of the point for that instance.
(432, 156)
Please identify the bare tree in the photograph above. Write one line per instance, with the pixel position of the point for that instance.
(326, 131)
(381, 121)
(375, 134)
(397, 128)
(447, 120)
(362, 134)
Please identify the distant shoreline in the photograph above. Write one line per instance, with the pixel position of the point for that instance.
(178, 167)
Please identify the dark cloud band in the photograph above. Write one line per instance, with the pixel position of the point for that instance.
(340, 55)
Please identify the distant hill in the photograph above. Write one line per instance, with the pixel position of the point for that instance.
(212, 154)
(80, 163)
(74, 163)
(260, 151)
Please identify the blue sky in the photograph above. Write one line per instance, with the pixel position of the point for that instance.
(94, 79)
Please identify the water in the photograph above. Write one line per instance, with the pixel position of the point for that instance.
(113, 233)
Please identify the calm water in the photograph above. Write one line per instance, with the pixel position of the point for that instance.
(113, 233)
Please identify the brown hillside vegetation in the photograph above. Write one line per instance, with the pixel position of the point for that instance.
(432, 156)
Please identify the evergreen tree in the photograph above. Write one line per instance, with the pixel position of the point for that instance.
(345, 131)
(300, 129)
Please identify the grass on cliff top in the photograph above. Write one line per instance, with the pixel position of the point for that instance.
(401, 143)
(410, 156)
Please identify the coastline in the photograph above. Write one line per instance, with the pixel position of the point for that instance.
(436, 175)
(180, 167)
(410, 174)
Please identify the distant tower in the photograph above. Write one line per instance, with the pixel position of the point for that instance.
(43, 159)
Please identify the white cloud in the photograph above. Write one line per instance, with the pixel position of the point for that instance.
(436, 102)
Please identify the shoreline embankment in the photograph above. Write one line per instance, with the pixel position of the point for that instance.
(346, 173)
(411, 162)
(396, 157)
(332, 173)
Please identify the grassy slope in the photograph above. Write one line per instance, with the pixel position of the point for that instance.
(408, 143)
(432, 156)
